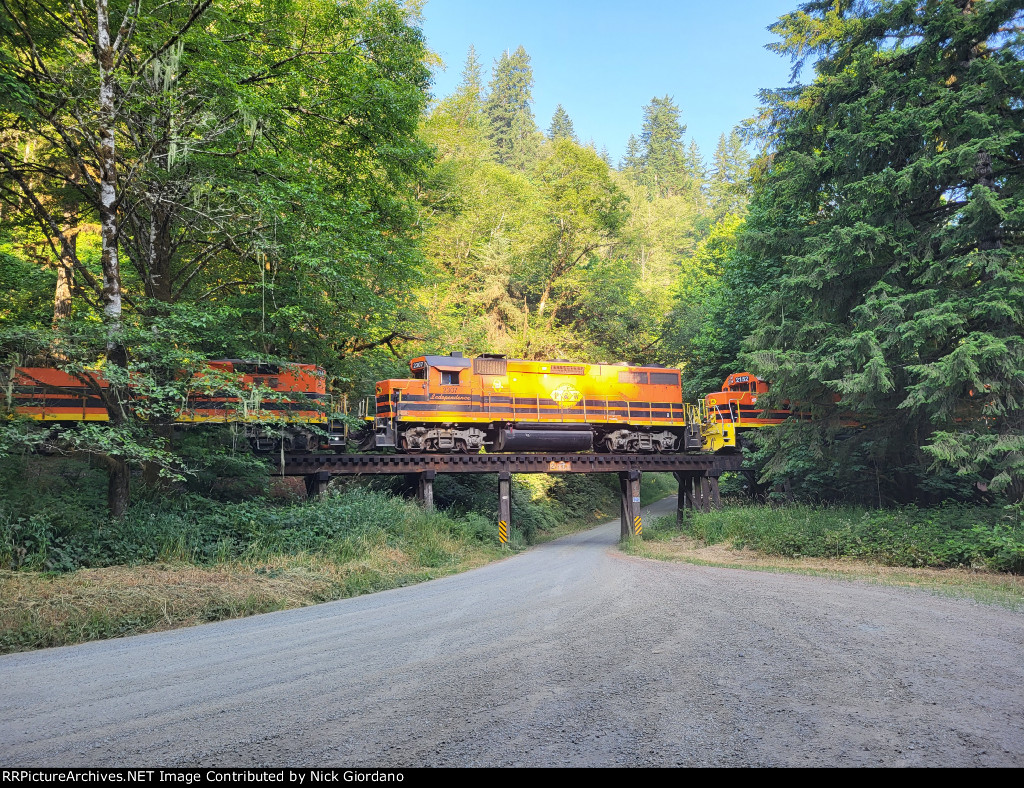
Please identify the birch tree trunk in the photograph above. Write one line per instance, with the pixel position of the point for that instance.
(118, 470)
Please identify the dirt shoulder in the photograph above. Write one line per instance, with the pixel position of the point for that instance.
(989, 587)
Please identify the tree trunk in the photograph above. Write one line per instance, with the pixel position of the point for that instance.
(116, 352)
(65, 274)
(62, 293)
(118, 485)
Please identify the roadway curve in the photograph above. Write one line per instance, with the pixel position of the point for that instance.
(570, 654)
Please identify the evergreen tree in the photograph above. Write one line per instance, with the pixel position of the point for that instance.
(513, 130)
(663, 169)
(561, 126)
(466, 104)
(660, 159)
(890, 226)
(729, 189)
(633, 159)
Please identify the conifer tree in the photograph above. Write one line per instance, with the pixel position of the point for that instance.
(729, 188)
(633, 158)
(663, 169)
(466, 104)
(513, 130)
(890, 230)
(561, 126)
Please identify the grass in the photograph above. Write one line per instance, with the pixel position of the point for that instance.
(39, 610)
(966, 552)
(68, 574)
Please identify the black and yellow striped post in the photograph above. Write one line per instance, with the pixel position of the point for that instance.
(504, 505)
(629, 484)
(634, 494)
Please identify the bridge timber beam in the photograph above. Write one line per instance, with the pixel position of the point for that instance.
(360, 464)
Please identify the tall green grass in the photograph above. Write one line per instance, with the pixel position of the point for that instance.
(342, 526)
(957, 535)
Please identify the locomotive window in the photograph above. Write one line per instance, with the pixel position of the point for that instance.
(449, 378)
(419, 374)
(633, 377)
(665, 378)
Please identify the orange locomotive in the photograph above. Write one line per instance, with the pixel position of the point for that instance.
(290, 396)
(734, 410)
(457, 404)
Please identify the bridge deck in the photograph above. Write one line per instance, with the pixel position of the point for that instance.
(358, 464)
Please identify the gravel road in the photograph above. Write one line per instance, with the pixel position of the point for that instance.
(570, 654)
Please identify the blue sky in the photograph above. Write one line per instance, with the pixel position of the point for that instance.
(603, 61)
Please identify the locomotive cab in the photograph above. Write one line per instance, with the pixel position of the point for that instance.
(734, 410)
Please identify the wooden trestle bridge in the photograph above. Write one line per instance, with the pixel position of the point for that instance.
(697, 475)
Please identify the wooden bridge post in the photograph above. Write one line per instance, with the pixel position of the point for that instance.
(683, 496)
(623, 510)
(425, 490)
(316, 483)
(716, 495)
(686, 484)
(634, 492)
(504, 505)
(629, 485)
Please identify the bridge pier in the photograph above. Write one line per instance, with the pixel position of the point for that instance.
(425, 490)
(316, 483)
(629, 486)
(504, 505)
(698, 491)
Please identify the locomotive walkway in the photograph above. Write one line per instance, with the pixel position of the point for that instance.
(697, 475)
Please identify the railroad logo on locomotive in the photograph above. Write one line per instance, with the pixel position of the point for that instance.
(566, 395)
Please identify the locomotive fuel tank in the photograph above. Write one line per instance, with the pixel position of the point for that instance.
(545, 437)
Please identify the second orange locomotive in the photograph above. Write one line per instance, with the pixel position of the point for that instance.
(453, 403)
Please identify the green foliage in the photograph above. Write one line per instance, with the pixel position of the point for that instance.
(887, 236)
(704, 332)
(26, 292)
(729, 187)
(950, 536)
(62, 537)
(661, 160)
(511, 126)
(263, 162)
(561, 126)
